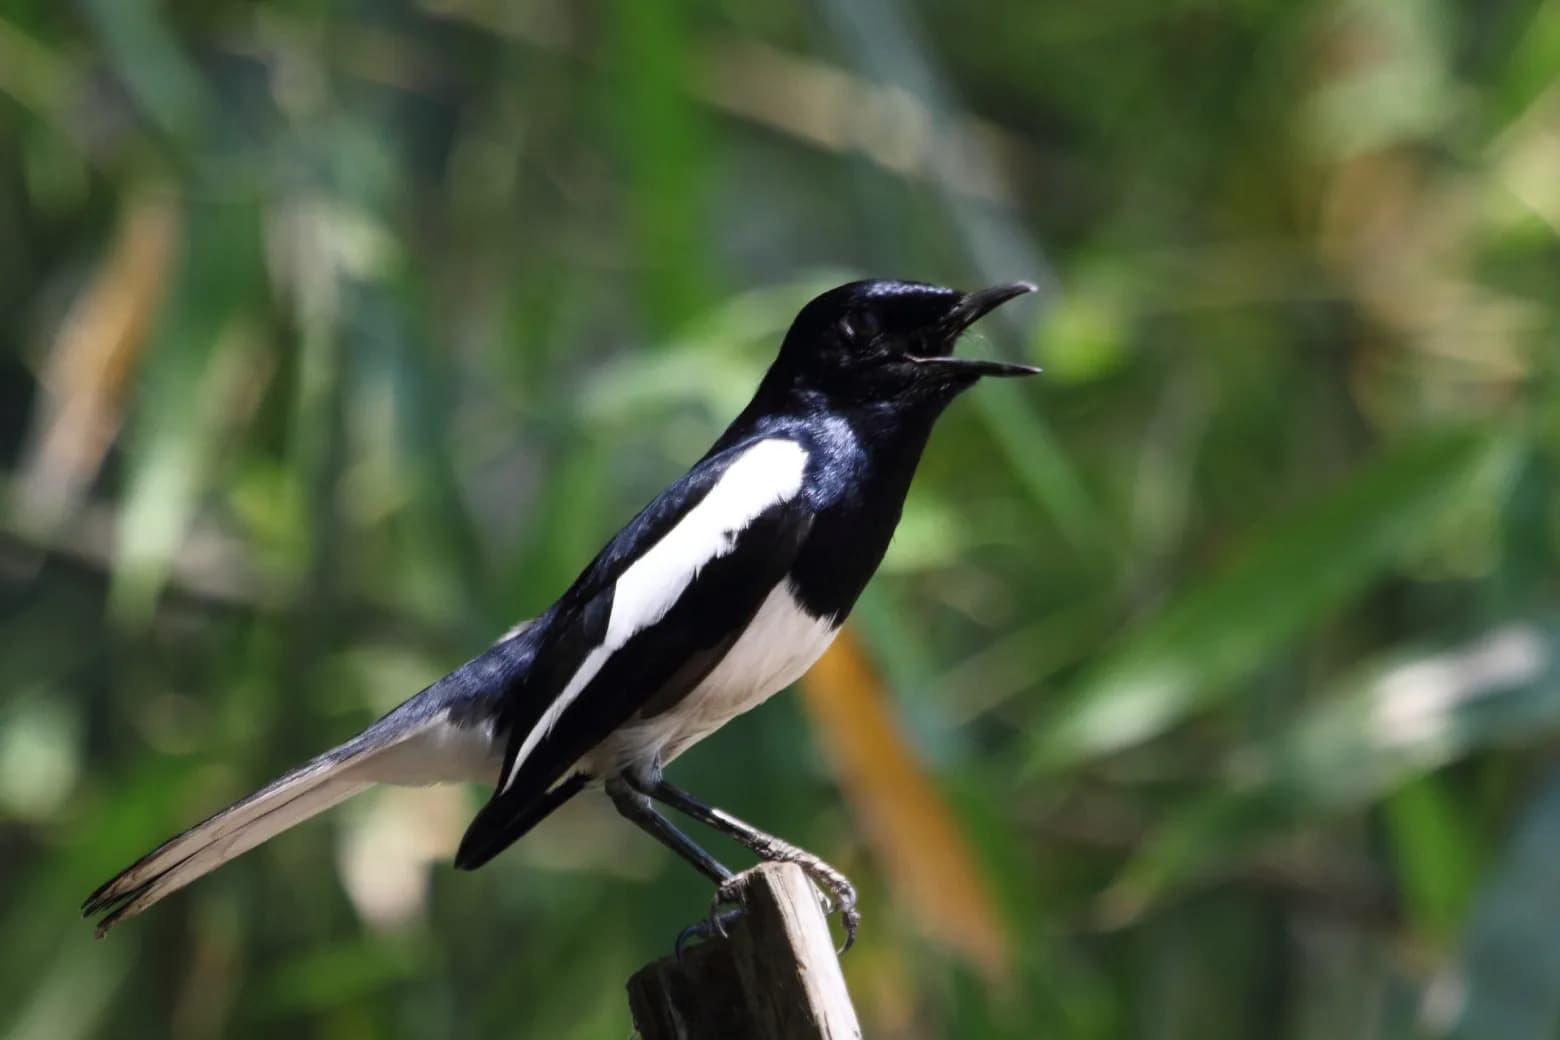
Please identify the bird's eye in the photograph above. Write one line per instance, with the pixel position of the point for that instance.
(860, 326)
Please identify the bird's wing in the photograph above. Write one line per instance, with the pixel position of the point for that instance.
(656, 610)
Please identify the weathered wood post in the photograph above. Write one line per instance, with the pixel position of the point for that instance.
(776, 977)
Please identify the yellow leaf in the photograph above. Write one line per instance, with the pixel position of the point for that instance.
(907, 822)
(91, 360)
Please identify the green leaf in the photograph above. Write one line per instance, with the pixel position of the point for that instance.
(1308, 564)
(661, 142)
(200, 359)
(1434, 853)
(331, 976)
(1399, 721)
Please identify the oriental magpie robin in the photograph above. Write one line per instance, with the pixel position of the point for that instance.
(720, 593)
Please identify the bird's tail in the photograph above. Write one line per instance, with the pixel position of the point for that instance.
(310, 789)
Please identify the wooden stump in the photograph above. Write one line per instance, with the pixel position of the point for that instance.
(776, 977)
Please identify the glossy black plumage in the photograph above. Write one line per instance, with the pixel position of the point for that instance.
(862, 451)
(648, 671)
(718, 593)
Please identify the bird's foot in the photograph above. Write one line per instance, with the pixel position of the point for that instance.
(725, 907)
(835, 888)
(712, 927)
(837, 893)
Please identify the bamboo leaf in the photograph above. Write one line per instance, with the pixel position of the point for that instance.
(1309, 563)
(1402, 720)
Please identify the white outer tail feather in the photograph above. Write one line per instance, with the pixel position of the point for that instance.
(206, 846)
(319, 784)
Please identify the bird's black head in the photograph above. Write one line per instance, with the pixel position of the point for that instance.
(891, 342)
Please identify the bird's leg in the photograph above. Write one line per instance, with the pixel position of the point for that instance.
(841, 893)
(635, 806)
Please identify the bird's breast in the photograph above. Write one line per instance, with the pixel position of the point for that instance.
(778, 645)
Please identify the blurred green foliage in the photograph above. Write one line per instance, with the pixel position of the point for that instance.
(335, 338)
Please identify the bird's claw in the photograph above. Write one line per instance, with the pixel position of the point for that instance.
(851, 917)
(841, 895)
(722, 913)
(834, 890)
(836, 893)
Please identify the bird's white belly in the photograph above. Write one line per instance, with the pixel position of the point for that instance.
(780, 644)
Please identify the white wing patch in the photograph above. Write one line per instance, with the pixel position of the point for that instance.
(768, 473)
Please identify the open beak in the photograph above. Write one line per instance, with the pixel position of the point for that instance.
(967, 312)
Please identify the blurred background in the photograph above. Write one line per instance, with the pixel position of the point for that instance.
(1211, 688)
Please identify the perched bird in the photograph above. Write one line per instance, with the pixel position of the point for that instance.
(719, 594)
